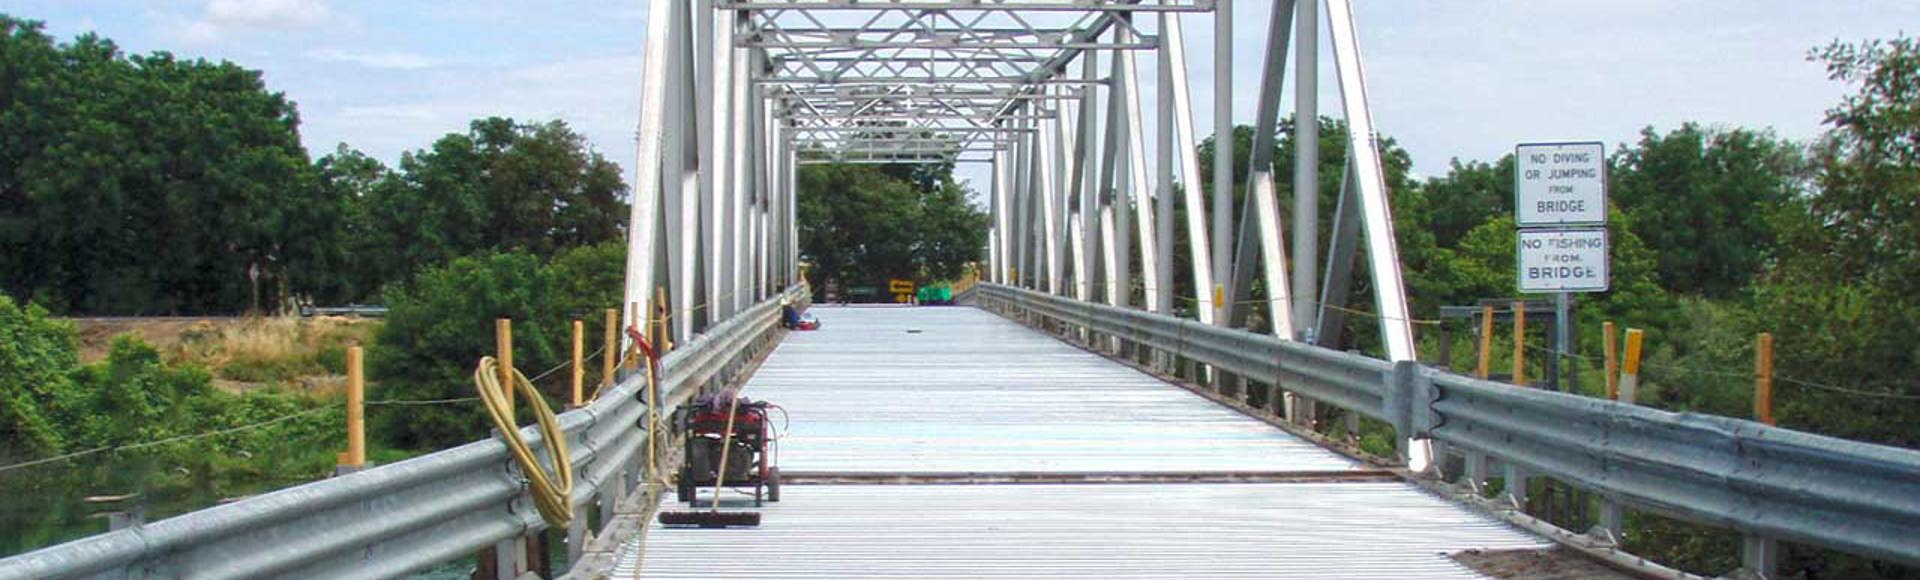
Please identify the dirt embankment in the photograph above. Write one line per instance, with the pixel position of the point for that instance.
(1549, 564)
(296, 354)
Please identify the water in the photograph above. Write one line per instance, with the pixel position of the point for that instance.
(46, 504)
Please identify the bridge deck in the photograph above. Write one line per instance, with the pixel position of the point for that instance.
(893, 390)
(961, 391)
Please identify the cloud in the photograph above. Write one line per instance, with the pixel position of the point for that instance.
(268, 14)
(377, 60)
(184, 30)
(220, 17)
(385, 115)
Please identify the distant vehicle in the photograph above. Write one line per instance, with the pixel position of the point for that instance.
(936, 295)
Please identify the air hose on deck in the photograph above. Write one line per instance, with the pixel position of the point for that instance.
(551, 490)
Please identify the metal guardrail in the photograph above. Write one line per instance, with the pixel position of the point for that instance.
(1765, 481)
(399, 518)
(363, 310)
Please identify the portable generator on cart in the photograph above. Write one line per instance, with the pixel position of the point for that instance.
(746, 444)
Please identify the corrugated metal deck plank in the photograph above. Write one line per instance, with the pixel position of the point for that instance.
(967, 392)
(1337, 530)
(972, 392)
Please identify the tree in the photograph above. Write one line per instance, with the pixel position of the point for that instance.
(501, 186)
(863, 225)
(1841, 298)
(1705, 200)
(146, 183)
(1468, 195)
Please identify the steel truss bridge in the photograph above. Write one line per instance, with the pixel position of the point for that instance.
(1074, 388)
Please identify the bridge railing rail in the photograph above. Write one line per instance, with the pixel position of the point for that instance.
(1763, 481)
(403, 517)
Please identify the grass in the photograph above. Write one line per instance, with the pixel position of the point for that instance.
(302, 355)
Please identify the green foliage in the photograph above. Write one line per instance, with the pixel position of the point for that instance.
(1467, 196)
(146, 184)
(1841, 299)
(441, 322)
(37, 355)
(153, 185)
(1410, 213)
(501, 186)
(54, 405)
(1694, 362)
(1705, 202)
(862, 224)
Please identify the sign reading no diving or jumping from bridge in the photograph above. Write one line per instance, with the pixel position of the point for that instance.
(1560, 184)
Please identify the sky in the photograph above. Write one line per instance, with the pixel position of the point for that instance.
(1465, 79)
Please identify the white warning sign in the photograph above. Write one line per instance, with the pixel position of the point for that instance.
(1553, 261)
(1559, 184)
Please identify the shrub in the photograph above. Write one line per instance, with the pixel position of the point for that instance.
(441, 322)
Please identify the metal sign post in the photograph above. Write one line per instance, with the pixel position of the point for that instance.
(1557, 188)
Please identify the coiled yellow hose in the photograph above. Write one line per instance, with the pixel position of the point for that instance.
(550, 489)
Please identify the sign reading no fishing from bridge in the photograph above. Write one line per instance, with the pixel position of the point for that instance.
(1557, 185)
(1573, 260)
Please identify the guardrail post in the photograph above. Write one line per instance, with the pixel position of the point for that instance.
(1516, 485)
(1611, 525)
(576, 537)
(1759, 556)
(1623, 375)
(1476, 472)
(510, 558)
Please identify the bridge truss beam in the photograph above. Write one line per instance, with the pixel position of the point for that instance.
(1050, 93)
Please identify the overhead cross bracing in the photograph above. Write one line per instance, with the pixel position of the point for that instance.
(927, 81)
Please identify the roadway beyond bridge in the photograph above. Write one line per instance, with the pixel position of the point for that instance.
(947, 398)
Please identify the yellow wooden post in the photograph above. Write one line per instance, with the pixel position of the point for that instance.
(1612, 351)
(1486, 342)
(579, 359)
(1763, 379)
(612, 351)
(633, 363)
(661, 340)
(503, 338)
(1520, 343)
(1630, 366)
(356, 408)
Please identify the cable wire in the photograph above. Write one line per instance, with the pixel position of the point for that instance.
(174, 439)
(1778, 378)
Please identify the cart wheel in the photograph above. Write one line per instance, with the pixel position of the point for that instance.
(773, 484)
(685, 491)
